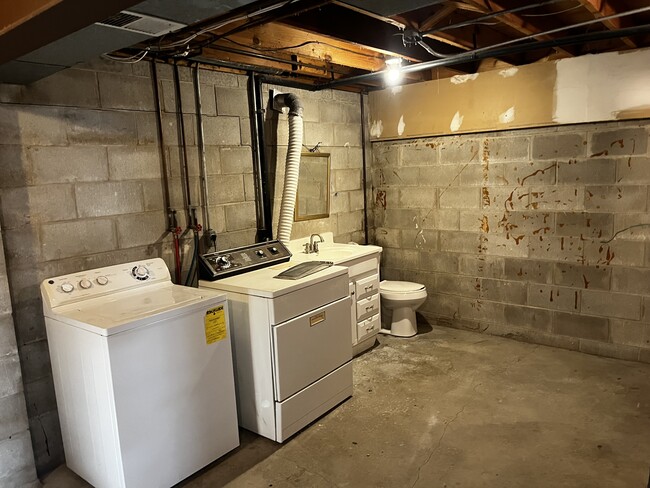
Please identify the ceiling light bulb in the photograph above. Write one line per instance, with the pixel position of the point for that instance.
(393, 74)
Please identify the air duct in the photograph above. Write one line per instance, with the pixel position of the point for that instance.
(292, 166)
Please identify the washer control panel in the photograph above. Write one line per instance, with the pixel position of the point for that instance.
(87, 284)
(220, 264)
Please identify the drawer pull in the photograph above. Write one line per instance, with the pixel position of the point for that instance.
(370, 287)
(369, 308)
(316, 319)
(368, 329)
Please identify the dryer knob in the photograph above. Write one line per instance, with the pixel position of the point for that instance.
(140, 272)
(224, 262)
(67, 287)
(102, 280)
(85, 284)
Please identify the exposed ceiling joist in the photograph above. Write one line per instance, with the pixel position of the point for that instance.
(604, 8)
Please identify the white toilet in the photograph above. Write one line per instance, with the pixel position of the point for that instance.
(402, 298)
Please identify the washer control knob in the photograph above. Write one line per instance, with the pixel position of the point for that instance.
(85, 284)
(67, 287)
(224, 262)
(102, 280)
(260, 253)
(140, 272)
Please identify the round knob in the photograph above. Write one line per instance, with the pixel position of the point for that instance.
(102, 280)
(140, 272)
(85, 284)
(259, 252)
(224, 262)
(67, 287)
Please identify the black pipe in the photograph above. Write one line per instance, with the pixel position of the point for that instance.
(364, 166)
(161, 147)
(490, 53)
(264, 206)
(200, 139)
(182, 150)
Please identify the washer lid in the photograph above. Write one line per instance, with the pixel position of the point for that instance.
(400, 286)
(119, 312)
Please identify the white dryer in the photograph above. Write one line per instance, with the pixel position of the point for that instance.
(142, 372)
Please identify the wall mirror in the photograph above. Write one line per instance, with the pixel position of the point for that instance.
(313, 197)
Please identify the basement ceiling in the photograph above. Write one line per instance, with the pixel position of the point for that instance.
(346, 44)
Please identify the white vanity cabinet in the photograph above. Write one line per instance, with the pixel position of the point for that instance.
(363, 273)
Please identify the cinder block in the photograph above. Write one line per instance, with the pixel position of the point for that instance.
(13, 415)
(339, 202)
(631, 280)
(346, 179)
(504, 245)
(249, 188)
(422, 239)
(559, 146)
(384, 154)
(463, 242)
(619, 142)
(441, 304)
(395, 176)
(570, 249)
(628, 332)
(77, 238)
(313, 134)
(460, 198)
(579, 276)
(617, 252)
(217, 216)
(22, 245)
(506, 198)
(53, 164)
(171, 130)
(616, 198)
(219, 78)
(417, 198)
(617, 351)
(581, 326)
(5, 297)
(10, 380)
(559, 198)
(221, 131)
(236, 160)
(610, 304)
(633, 171)
(350, 222)
(456, 285)
(400, 258)
(17, 461)
(325, 111)
(208, 100)
(240, 216)
(504, 149)
(98, 127)
(32, 125)
(419, 155)
(34, 204)
(588, 225)
(71, 87)
(347, 135)
(441, 176)
(232, 101)
(458, 150)
(481, 310)
(15, 166)
(188, 100)
(387, 237)
(7, 335)
(481, 265)
(446, 219)
(587, 172)
(131, 163)
(47, 441)
(111, 198)
(554, 297)
(141, 229)
(117, 91)
(439, 261)
(226, 189)
(356, 200)
(528, 317)
(502, 291)
(245, 130)
(153, 195)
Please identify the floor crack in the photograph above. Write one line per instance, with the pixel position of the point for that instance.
(305, 470)
(433, 451)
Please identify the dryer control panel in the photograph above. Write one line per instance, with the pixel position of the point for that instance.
(229, 262)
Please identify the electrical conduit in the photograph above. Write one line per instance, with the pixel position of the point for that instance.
(292, 167)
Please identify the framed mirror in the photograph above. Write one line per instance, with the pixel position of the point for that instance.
(313, 196)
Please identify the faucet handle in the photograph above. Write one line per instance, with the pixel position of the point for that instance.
(307, 247)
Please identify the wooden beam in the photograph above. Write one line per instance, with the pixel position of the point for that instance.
(604, 8)
(436, 18)
(514, 21)
(28, 27)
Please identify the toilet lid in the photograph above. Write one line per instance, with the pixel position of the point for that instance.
(400, 286)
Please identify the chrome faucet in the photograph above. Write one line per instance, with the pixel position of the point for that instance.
(312, 245)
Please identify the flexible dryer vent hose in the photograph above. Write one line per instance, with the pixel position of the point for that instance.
(292, 167)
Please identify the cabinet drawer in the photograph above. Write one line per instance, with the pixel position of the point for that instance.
(367, 306)
(367, 327)
(367, 286)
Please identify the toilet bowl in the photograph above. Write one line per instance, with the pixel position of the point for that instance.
(401, 299)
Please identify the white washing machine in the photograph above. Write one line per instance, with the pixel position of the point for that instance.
(143, 374)
(292, 338)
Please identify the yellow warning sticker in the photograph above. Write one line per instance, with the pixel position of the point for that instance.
(215, 325)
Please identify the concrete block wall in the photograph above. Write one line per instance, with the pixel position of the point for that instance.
(17, 468)
(538, 234)
(80, 188)
(332, 119)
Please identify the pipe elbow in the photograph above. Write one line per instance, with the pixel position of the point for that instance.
(292, 102)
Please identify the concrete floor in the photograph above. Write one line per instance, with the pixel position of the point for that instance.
(450, 408)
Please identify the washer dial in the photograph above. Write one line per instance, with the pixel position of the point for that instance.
(67, 287)
(102, 280)
(140, 272)
(85, 284)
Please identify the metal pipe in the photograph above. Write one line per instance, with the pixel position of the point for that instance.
(494, 51)
(182, 150)
(364, 165)
(161, 147)
(263, 205)
(201, 148)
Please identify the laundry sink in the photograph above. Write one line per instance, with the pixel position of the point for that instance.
(336, 252)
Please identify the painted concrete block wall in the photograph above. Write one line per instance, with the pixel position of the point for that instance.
(332, 120)
(538, 234)
(17, 467)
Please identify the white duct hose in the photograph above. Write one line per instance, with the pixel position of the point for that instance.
(291, 172)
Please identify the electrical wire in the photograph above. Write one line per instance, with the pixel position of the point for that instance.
(553, 13)
(190, 273)
(136, 58)
(302, 44)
